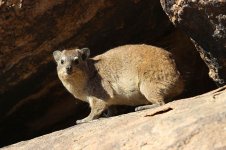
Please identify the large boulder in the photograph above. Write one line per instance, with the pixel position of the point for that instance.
(205, 22)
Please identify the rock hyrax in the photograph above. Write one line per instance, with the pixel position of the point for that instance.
(131, 75)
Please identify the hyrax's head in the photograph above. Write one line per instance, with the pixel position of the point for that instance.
(71, 62)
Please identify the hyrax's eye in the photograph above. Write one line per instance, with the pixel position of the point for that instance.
(62, 61)
(76, 61)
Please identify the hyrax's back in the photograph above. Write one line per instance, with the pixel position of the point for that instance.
(139, 74)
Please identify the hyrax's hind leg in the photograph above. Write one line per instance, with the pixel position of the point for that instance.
(139, 108)
(153, 94)
(97, 107)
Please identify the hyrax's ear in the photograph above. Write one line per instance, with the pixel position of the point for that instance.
(85, 52)
(57, 55)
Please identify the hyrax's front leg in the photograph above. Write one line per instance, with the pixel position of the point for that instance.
(97, 107)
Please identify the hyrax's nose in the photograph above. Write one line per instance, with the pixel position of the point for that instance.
(68, 69)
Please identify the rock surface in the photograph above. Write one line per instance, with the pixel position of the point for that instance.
(194, 123)
(32, 99)
(205, 22)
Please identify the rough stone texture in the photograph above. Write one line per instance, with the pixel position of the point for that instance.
(194, 123)
(205, 22)
(32, 99)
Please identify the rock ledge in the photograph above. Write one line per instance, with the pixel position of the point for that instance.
(194, 123)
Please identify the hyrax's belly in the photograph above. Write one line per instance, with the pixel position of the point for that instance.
(127, 92)
(130, 101)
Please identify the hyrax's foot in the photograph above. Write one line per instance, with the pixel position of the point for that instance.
(79, 121)
(97, 107)
(139, 108)
(83, 121)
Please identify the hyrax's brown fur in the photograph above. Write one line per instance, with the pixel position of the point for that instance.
(127, 75)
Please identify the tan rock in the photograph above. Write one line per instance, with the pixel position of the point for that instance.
(194, 123)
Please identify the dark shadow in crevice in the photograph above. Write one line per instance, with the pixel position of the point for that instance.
(165, 110)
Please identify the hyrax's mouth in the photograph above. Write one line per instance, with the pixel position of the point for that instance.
(68, 74)
(65, 74)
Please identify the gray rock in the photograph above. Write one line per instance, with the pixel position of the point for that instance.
(205, 22)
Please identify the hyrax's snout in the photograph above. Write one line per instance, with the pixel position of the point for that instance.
(69, 69)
